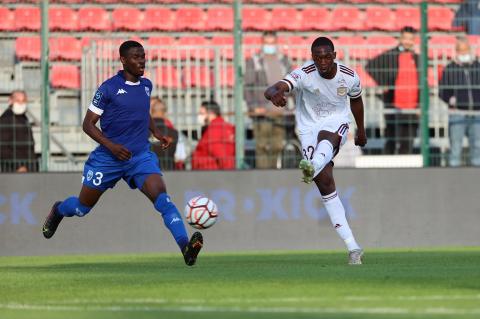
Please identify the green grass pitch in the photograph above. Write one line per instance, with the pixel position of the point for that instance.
(442, 283)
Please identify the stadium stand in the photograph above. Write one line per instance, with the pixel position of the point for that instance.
(166, 77)
(7, 20)
(27, 19)
(347, 18)
(62, 19)
(123, 17)
(159, 19)
(380, 18)
(65, 76)
(190, 19)
(219, 18)
(28, 48)
(94, 19)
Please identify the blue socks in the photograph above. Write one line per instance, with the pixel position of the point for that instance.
(72, 207)
(172, 219)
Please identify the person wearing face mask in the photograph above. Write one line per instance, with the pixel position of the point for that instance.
(396, 71)
(216, 148)
(268, 122)
(460, 89)
(17, 152)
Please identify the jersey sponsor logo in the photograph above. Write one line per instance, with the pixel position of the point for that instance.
(121, 91)
(147, 90)
(97, 98)
(342, 91)
(317, 91)
(295, 76)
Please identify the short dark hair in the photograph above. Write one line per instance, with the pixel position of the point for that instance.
(269, 33)
(408, 29)
(322, 41)
(212, 106)
(127, 45)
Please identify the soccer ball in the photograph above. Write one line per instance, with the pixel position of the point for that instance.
(201, 212)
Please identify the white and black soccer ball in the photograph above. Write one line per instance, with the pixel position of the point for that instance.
(201, 212)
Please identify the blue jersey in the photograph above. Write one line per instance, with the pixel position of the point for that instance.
(124, 109)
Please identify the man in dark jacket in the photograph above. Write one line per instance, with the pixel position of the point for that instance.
(396, 70)
(166, 157)
(468, 17)
(460, 89)
(17, 153)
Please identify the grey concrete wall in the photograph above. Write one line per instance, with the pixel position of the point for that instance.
(258, 210)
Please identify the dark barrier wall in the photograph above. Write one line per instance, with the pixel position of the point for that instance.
(259, 210)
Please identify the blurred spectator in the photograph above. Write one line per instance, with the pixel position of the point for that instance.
(468, 17)
(158, 111)
(460, 88)
(397, 71)
(269, 130)
(216, 148)
(17, 147)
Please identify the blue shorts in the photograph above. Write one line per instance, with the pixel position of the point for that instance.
(102, 170)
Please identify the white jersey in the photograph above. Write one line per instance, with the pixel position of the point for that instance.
(318, 99)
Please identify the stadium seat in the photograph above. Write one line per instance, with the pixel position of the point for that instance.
(190, 18)
(93, 19)
(159, 19)
(62, 19)
(167, 77)
(440, 18)
(128, 19)
(28, 48)
(65, 76)
(219, 18)
(197, 76)
(380, 18)
(264, 1)
(7, 20)
(286, 19)
(379, 44)
(316, 19)
(254, 18)
(166, 52)
(407, 17)
(27, 19)
(347, 18)
(193, 47)
(388, 1)
(295, 47)
(351, 47)
(227, 43)
(137, 1)
(251, 45)
(65, 48)
(365, 79)
(107, 1)
(441, 45)
(227, 76)
(71, 1)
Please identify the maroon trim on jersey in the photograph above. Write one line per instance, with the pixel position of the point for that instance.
(289, 83)
(309, 69)
(346, 70)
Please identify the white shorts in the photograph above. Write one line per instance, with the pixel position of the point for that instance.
(308, 135)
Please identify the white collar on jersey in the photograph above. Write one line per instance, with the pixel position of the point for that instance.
(132, 83)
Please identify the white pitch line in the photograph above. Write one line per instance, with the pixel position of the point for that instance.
(193, 309)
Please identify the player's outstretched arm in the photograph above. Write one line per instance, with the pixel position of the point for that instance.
(276, 93)
(164, 139)
(356, 105)
(89, 127)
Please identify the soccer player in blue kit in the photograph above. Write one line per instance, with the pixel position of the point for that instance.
(122, 104)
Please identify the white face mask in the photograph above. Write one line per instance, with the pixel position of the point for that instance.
(19, 108)
(269, 49)
(201, 118)
(464, 58)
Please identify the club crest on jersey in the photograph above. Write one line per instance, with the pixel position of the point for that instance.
(316, 91)
(342, 91)
(89, 175)
(147, 90)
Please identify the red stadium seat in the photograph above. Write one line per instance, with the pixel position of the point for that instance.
(160, 19)
(220, 18)
(347, 18)
(7, 20)
(295, 47)
(27, 19)
(380, 18)
(62, 19)
(93, 19)
(388, 1)
(167, 77)
(193, 47)
(197, 76)
(65, 48)
(191, 18)
(251, 45)
(441, 45)
(107, 1)
(365, 79)
(407, 17)
(65, 76)
(440, 18)
(264, 1)
(254, 18)
(227, 76)
(28, 48)
(379, 44)
(166, 52)
(351, 47)
(286, 19)
(128, 19)
(226, 43)
(137, 1)
(316, 19)
(71, 1)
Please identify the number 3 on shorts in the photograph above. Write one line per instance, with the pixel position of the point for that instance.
(98, 178)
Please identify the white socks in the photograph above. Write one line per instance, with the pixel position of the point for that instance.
(322, 156)
(339, 221)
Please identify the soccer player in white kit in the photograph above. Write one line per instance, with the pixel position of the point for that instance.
(325, 92)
